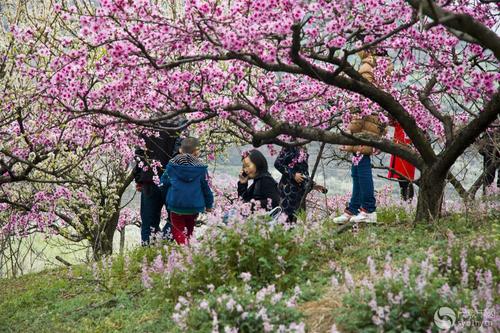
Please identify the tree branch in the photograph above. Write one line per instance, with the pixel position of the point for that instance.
(460, 22)
(468, 134)
(426, 101)
(385, 100)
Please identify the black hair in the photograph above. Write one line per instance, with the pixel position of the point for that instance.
(259, 160)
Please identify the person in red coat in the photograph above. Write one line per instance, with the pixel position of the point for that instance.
(401, 169)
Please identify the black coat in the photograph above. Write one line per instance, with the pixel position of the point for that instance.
(159, 148)
(264, 187)
(290, 191)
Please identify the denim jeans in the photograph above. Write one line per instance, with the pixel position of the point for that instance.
(363, 195)
(167, 229)
(152, 202)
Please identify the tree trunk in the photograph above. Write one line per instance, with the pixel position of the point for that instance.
(430, 197)
(122, 241)
(102, 245)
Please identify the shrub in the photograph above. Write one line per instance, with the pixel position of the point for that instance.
(239, 309)
(271, 253)
(406, 299)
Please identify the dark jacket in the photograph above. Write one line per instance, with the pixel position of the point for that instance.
(161, 148)
(186, 186)
(264, 187)
(288, 165)
(292, 193)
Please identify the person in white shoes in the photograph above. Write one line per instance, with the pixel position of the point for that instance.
(362, 206)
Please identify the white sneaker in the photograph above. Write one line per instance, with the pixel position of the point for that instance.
(344, 218)
(364, 217)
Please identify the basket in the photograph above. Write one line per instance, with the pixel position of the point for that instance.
(372, 118)
(372, 125)
(372, 128)
(355, 126)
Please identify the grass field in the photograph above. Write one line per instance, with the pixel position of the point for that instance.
(113, 298)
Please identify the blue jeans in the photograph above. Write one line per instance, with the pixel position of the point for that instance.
(152, 202)
(363, 192)
(167, 229)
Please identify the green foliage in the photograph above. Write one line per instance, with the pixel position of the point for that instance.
(415, 313)
(239, 307)
(270, 254)
(394, 215)
(456, 276)
(108, 296)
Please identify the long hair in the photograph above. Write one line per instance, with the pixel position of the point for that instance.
(259, 160)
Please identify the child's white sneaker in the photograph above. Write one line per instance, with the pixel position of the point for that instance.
(364, 217)
(344, 218)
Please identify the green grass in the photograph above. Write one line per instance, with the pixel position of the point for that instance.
(57, 301)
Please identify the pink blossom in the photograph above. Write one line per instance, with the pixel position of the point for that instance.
(348, 280)
(145, 278)
(246, 277)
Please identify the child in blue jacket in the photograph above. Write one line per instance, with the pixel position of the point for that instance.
(188, 192)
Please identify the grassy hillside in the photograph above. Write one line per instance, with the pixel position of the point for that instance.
(255, 277)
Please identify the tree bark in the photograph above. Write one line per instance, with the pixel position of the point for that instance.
(102, 244)
(430, 197)
(122, 241)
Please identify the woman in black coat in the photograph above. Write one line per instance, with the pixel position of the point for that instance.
(292, 163)
(264, 188)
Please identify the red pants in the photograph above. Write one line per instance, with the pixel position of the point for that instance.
(182, 226)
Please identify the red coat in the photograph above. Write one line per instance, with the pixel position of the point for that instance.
(402, 166)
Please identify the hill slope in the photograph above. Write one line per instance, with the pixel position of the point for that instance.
(390, 277)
